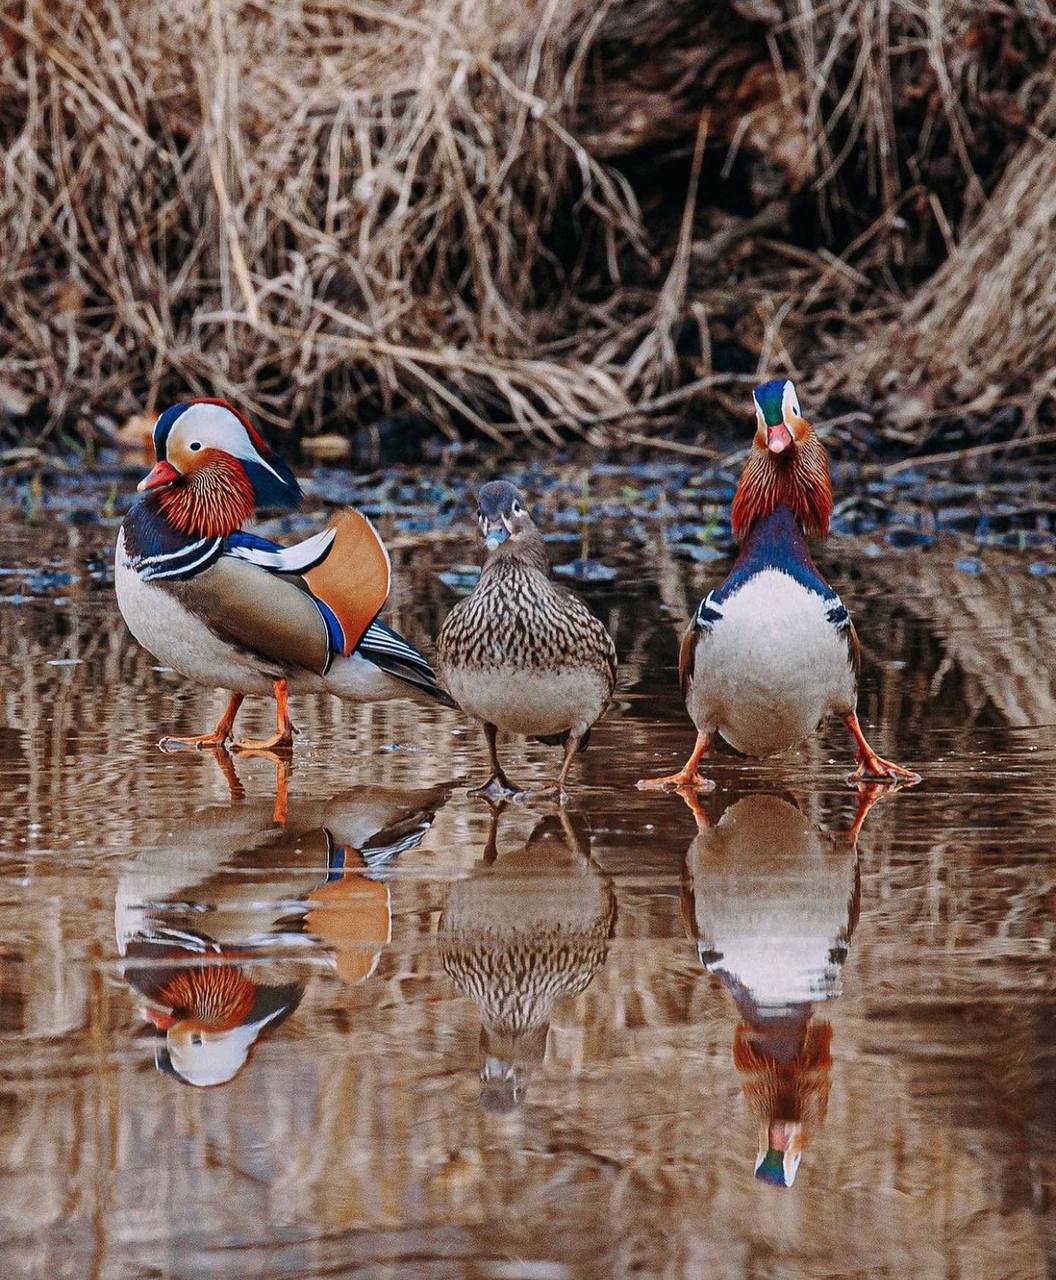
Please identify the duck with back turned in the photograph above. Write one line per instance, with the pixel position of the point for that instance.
(772, 652)
(522, 653)
(235, 611)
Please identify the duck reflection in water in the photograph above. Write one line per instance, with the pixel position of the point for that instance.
(200, 921)
(772, 901)
(529, 928)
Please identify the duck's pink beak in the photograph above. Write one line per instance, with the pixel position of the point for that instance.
(778, 438)
(161, 473)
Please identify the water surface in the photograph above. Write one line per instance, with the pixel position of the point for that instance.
(537, 1044)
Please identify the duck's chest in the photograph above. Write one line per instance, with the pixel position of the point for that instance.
(165, 627)
(771, 663)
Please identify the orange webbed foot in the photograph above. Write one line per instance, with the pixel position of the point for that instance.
(684, 780)
(688, 776)
(280, 740)
(872, 768)
(194, 742)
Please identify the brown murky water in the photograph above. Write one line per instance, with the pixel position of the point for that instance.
(551, 1045)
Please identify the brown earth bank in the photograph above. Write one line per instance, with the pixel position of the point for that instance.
(542, 222)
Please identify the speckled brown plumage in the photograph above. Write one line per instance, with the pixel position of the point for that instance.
(524, 934)
(522, 653)
(518, 616)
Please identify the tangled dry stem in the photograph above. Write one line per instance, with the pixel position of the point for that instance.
(335, 210)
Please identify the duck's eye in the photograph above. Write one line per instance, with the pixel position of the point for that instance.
(516, 509)
(194, 446)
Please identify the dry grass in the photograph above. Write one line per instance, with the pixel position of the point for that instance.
(505, 217)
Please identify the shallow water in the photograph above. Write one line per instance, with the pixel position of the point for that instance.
(548, 1045)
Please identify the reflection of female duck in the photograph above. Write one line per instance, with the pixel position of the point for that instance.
(772, 902)
(525, 932)
(187, 932)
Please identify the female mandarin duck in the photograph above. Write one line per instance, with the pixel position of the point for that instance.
(234, 611)
(522, 653)
(527, 930)
(771, 652)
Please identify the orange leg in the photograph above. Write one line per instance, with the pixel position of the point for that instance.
(687, 776)
(208, 741)
(227, 767)
(284, 731)
(691, 799)
(871, 767)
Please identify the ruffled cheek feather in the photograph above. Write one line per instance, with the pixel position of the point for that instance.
(800, 483)
(214, 500)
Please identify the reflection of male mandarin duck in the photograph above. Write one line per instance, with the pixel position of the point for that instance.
(198, 929)
(772, 902)
(522, 653)
(528, 930)
(771, 652)
(235, 611)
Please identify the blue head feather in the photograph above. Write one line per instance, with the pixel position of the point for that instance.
(768, 397)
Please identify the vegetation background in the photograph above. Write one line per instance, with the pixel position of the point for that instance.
(548, 219)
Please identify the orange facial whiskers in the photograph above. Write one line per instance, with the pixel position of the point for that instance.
(213, 500)
(798, 478)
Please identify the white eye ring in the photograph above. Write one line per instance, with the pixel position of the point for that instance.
(194, 446)
(516, 509)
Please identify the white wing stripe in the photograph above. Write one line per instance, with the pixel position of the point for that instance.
(296, 559)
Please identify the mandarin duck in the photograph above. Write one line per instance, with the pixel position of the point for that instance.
(235, 611)
(528, 929)
(521, 653)
(771, 902)
(771, 652)
(198, 926)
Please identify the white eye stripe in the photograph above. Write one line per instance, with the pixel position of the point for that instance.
(214, 426)
(789, 400)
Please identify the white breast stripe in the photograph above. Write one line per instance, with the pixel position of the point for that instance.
(191, 549)
(185, 570)
(296, 559)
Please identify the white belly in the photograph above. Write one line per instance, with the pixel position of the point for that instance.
(771, 668)
(537, 703)
(165, 628)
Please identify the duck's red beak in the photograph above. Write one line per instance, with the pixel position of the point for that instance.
(161, 473)
(778, 438)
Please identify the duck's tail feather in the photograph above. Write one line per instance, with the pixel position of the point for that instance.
(353, 580)
(397, 657)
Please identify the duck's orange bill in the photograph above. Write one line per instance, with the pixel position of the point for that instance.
(161, 473)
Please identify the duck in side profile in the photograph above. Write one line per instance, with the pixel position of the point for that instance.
(771, 653)
(235, 611)
(527, 930)
(217, 920)
(522, 653)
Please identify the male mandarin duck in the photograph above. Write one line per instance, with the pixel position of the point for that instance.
(772, 652)
(234, 611)
(529, 929)
(522, 653)
(198, 926)
(771, 902)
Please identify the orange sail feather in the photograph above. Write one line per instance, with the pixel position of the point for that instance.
(354, 578)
